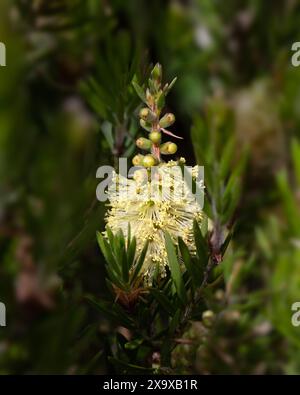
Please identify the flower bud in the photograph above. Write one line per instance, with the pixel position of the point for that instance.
(147, 115)
(167, 120)
(143, 143)
(219, 295)
(149, 98)
(208, 318)
(144, 113)
(172, 148)
(145, 125)
(137, 160)
(149, 161)
(156, 73)
(168, 148)
(155, 137)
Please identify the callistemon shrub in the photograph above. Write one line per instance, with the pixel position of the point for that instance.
(159, 197)
(152, 205)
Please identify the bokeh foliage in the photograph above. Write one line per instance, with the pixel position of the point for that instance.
(67, 106)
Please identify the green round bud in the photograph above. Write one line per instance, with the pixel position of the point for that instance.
(167, 120)
(172, 148)
(147, 115)
(143, 143)
(208, 318)
(145, 125)
(137, 160)
(170, 117)
(168, 148)
(144, 112)
(155, 137)
(219, 295)
(149, 161)
(164, 148)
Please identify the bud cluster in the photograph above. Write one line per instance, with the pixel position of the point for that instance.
(152, 122)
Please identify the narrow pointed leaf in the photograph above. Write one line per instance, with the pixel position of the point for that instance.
(131, 252)
(140, 92)
(114, 312)
(106, 251)
(163, 301)
(186, 257)
(128, 236)
(170, 86)
(226, 158)
(110, 236)
(140, 262)
(175, 268)
(201, 245)
(115, 279)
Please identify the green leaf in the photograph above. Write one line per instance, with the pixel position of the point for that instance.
(227, 158)
(161, 101)
(128, 235)
(140, 262)
(114, 277)
(110, 236)
(174, 322)
(108, 309)
(226, 243)
(216, 275)
(131, 252)
(187, 260)
(201, 245)
(170, 86)
(163, 301)
(264, 243)
(107, 252)
(140, 92)
(296, 159)
(109, 285)
(289, 203)
(231, 204)
(126, 318)
(121, 255)
(233, 184)
(106, 129)
(152, 86)
(175, 268)
(204, 225)
(132, 345)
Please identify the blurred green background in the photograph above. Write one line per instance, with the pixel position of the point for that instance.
(67, 107)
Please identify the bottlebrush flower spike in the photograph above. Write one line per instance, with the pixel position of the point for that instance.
(156, 200)
(138, 202)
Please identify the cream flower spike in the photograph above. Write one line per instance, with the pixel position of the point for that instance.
(157, 198)
(164, 204)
